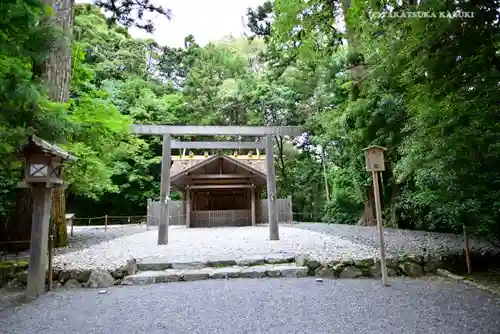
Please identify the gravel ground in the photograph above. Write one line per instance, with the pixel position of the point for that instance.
(92, 247)
(199, 244)
(86, 236)
(399, 241)
(263, 306)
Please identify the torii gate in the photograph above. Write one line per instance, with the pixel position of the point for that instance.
(197, 130)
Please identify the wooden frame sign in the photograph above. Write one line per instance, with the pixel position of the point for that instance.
(374, 158)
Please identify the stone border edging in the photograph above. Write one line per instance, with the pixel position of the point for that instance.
(186, 275)
(446, 274)
(159, 264)
(406, 265)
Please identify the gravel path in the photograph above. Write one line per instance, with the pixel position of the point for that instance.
(200, 244)
(87, 236)
(262, 306)
(398, 241)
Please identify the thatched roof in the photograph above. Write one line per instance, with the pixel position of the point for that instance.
(259, 165)
(181, 164)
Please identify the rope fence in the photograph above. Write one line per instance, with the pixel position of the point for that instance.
(107, 220)
(98, 221)
(175, 219)
(94, 221)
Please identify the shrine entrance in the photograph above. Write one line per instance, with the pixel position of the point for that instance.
(219, 190)
(203, 196)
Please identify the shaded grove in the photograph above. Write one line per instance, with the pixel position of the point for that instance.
(425, 89)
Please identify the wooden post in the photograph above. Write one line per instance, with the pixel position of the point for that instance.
(378, 209)
(374, 161)
(325, 174)
(290, 211)
(105, 223)
(271, 190)
(148, 214)
(467, 255)
(252, 206)
(42, 172)
(188, 207)
(164, 191)
(72, 223)
(51, 247)
(42, 201)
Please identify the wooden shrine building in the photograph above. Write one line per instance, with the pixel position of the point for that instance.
(220, 190)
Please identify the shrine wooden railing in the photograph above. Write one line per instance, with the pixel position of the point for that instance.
(177, 213)
(217, 218)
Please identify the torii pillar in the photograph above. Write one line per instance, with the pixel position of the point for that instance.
(165, 191)
(271, 190)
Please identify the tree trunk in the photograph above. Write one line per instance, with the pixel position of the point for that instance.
(56, 71)
(58, 219)
(358, 69)
(18, 227)
(357, 73)
(325, 173)
(281, 153)
(394, 197)
(56, 75)
(369, 217)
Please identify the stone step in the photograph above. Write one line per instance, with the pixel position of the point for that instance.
(154, 264)
(186, 275)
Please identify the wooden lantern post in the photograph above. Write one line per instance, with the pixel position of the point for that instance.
(43, 172)
(374, 159)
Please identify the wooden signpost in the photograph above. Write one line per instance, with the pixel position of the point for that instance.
(43, 172)
(374, 159)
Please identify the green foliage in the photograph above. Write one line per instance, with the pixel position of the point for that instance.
(342, 208)
(427, 89)
(112, 87)
(131, 13)
(23, 45)
(301, 178)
